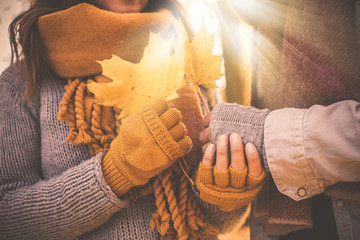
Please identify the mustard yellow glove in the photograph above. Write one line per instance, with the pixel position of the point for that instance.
(148, 143)
(230, 189)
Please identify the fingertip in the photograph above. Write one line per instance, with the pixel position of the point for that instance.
(250, 149)
(204, 136)
(235, 138)
(253, 159)
(160, 106)
(204, 147)
(185, 144)
(171, 117)
(237, 152)
(178, 131)
(209, 155)
(222, 156)
(206, 120)
(222, 140)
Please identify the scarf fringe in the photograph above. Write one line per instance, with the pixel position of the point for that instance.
(178, 215)
(72, 111)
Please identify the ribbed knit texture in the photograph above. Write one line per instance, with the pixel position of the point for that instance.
(145, 147)
(116, 180)
(238, 178)
(221, 178)
(249, 122)
(216, 188)
(50, 189)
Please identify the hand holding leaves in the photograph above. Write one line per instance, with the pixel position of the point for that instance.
(160, 72)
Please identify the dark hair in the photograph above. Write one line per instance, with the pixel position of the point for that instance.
(26, 43)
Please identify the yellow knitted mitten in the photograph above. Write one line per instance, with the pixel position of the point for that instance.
(230, 189)
(148, 143)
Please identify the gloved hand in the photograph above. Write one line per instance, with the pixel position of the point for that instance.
(148, 142)
(189, 106)
(227, 118)
(230, 187)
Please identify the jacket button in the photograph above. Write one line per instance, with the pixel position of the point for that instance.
(340, 203)
(301, 192)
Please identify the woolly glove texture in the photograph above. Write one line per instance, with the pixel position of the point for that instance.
(148, 143)
(230, 189)
(227, 118)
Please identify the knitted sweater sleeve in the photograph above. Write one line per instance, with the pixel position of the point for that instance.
(62, 207)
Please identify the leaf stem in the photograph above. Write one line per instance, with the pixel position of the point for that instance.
(203, 103)
(182, 168)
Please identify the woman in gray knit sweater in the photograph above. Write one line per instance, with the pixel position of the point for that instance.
(73, 178)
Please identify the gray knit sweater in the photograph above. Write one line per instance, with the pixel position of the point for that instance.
(50, 189)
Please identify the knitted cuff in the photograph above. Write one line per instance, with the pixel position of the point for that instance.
(205, 174)
(238, 178)
(254, 181)
(249, 122)
(114, 178)
(221, 178)
(230, 189)
(228, 198)
(161, 135)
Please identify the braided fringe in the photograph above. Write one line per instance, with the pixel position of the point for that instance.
(70, 88)
(67, 109)
(178, 215)
(175, 199)
(161, 218)
(84, 128)
(72, 111)
(103, 135)
(179, 223)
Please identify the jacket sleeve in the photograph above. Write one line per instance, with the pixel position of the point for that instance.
(310, 149)
(31, 207)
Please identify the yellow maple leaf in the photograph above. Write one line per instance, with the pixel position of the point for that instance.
(158, 75)
(202, 68)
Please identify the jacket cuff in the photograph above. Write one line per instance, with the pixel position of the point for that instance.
(286, 156)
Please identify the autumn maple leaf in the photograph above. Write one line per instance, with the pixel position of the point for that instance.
(160, 72)
(202, 68)
(158, 75)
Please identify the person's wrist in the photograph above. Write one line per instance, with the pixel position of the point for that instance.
(114, 178)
